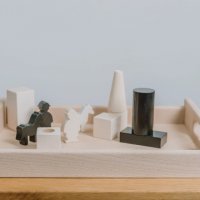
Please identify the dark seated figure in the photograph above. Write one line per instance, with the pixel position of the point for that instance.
(48, 119)
(37, 119)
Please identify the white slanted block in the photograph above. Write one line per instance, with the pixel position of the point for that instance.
(117, 101)
(48, 138)
(20, 106)
(106, 126)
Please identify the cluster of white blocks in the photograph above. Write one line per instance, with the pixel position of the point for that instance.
(108, 125)
(20, 106)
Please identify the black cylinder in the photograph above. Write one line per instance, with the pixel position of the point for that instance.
(143, 111)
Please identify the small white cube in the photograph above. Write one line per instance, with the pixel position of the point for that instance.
(106, 126)
(124, 119)
(48, 138)
(20, 106)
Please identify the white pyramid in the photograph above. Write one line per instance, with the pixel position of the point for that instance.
(117, 101)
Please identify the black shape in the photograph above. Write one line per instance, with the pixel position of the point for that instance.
(29, 129)
(142, 132)
(143, 111)
(48, 119)
(157, 139)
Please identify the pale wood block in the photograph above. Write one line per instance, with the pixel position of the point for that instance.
(107, 126)
(20, 106)
(49, 138)
(3, 103)
(192, 119)
(2, 124)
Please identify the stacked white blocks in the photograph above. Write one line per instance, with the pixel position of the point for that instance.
(20, 106)
(108, 125)
(49, 138)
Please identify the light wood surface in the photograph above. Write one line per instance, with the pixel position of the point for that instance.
(98, 189)
(94, 157)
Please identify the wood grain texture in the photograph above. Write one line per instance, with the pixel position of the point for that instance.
(98, 189)
(99, 163)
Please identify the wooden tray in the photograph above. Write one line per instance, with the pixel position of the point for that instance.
(93, 157)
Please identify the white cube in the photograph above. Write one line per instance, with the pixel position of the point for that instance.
(106, 126)
(20, 106)
(48, 138)
(124, 119)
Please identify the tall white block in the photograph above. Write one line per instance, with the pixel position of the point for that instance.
(48, 138)
(106, 126)
(117, 101)
(20, 106)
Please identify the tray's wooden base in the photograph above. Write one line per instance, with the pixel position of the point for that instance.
(97, 189)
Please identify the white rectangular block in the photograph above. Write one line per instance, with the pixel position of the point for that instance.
(49, 138)
(20, 106)
(106, 126)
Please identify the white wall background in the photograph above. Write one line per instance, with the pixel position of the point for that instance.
(67, 50)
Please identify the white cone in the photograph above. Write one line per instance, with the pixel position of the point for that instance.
(117, 102)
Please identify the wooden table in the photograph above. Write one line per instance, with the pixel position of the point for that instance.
(112, 189)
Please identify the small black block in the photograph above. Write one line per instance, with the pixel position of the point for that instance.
(157, 139)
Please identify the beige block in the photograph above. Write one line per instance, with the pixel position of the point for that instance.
(106, 126)
(20, 106)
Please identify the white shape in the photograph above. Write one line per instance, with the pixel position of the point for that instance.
(117, 101)
(123, 118)
(106, 126)
(20, 106)
(71, 127)
(48, 138)
(82, 117)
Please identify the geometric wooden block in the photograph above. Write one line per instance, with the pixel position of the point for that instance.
(49, 138)
(106, 126)
(20, 106)
(157, 139)
(124, 119)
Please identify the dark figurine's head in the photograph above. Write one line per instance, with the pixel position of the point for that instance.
(43, 106)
